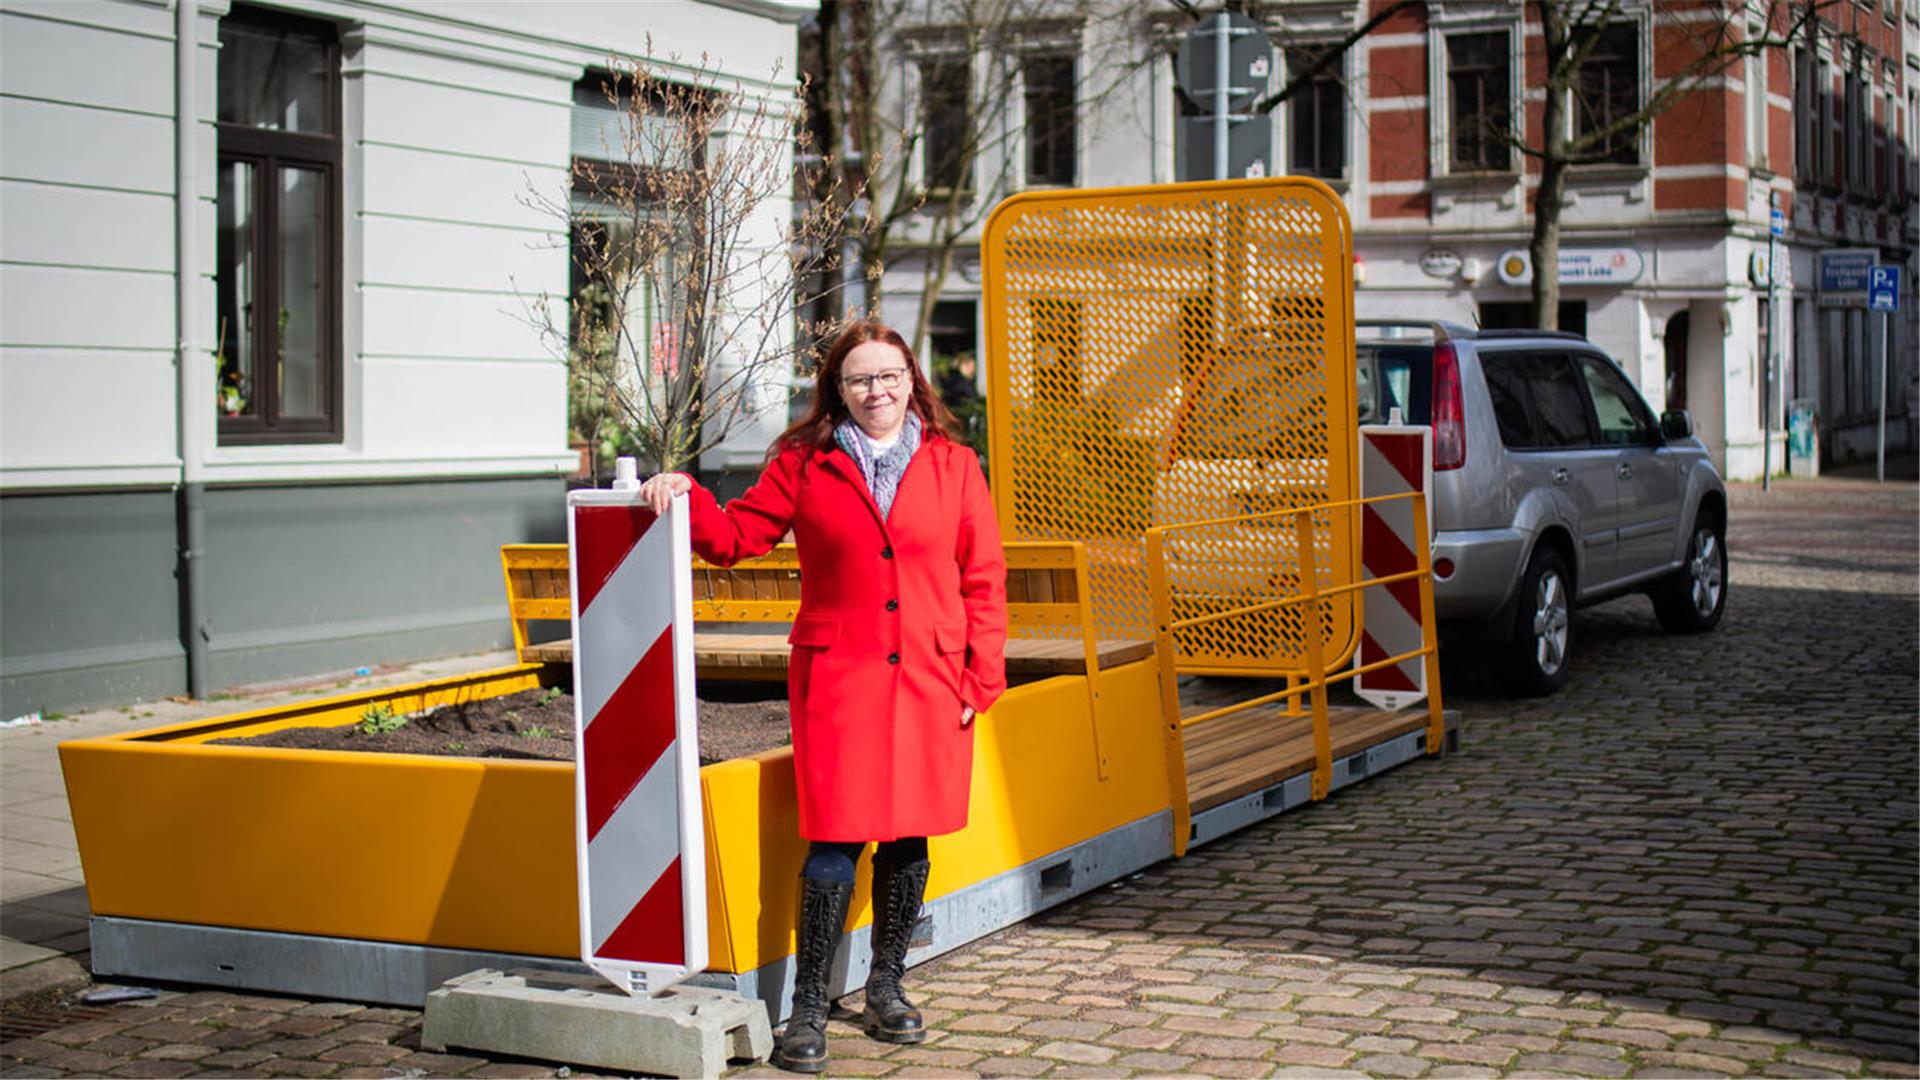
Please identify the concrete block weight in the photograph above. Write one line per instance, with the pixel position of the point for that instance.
(583, 1020)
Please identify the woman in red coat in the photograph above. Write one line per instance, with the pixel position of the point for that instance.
(898, 643)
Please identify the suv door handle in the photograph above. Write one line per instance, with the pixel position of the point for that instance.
(1560, 476)
(1626, 471)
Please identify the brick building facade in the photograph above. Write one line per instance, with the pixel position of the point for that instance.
(1665, 252)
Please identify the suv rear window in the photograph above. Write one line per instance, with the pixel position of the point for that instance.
(1537, 400)
(1394, 377)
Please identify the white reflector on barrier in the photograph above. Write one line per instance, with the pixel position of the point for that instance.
(1393, 459)
(637, 829)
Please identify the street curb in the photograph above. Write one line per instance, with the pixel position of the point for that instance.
(56, 975)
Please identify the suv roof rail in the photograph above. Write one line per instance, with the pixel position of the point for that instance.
(1518, 332)
(1440, 329)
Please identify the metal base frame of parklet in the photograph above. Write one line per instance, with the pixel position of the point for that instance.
(304, 965)
(980, 909)
(398, 974)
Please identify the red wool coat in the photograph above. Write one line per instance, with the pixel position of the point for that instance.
(901, 621)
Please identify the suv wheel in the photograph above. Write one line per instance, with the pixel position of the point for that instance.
(1542, 641)
(1691, 600)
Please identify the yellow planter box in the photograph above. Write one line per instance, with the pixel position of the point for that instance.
(478, 854)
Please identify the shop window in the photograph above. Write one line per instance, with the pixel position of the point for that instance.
(1518, 315)
(278, 270)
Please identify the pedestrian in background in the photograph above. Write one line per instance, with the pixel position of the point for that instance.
(899, 642)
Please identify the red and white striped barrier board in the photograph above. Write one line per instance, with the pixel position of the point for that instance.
(637, 828)
(1393, 459)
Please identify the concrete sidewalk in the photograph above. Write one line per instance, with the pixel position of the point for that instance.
(43, 898)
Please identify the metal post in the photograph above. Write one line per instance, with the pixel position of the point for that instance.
(1886, 356)
(1766, 362)
(193, 371)
(1222, 49)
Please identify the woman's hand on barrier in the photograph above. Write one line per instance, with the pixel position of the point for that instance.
(966, 715)
(660, 489)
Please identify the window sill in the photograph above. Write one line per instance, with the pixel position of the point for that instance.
(1475, 180)
(1609, 172)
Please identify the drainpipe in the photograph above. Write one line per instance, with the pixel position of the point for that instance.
(195, 382)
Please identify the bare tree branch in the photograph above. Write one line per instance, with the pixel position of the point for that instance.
(691, 260)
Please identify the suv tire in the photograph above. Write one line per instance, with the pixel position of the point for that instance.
(1542, 642)
(1691, 599)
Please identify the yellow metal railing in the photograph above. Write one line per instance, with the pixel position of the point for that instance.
(1314, 679)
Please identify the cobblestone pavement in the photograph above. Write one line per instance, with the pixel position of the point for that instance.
(1702, 858)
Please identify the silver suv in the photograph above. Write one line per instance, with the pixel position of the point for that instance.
(1553, 486)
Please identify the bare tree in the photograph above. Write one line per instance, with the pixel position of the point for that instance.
(689, 255)
(1582, 122)
(930, 104)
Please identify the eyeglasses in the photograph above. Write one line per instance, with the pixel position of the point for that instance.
(885, 380)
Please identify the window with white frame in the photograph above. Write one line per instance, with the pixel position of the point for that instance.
(946, 123)
(1805, 109)
(1911, 145)
(1317, 117)
(1052, 128)
(1888, 137)
(1479, 95)
(1825, 121)
(277, 201)
(1606, 90)
(1756, 93)
(1185, 113)
(1856, 126)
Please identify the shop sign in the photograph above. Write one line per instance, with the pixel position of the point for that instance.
(1440, 262)
(1843, 276)
(1578, 266)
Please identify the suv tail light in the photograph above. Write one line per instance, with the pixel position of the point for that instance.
(1449, 412)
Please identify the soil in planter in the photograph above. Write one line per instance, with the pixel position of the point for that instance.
(734, 722)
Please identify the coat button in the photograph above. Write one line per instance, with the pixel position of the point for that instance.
(886, 553)
(893, 658)
(893, 605)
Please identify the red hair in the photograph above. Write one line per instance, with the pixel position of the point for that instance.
(829, 407)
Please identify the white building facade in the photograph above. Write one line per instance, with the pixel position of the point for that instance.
(306, 459)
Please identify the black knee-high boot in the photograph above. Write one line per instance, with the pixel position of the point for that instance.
(802, 1046)
(898, 889)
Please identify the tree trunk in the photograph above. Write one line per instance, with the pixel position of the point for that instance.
(1545, 246)
(1554, 137)
(935, 280)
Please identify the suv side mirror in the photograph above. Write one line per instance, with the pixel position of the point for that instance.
(1676, 424)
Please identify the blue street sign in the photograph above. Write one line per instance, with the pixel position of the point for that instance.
(1778, 222)
(1883, 288)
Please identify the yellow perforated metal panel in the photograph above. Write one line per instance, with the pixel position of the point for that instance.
(1174, 354)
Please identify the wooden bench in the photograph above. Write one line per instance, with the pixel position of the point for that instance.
(1050, 627)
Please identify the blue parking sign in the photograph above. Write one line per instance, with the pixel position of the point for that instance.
(1883, 288)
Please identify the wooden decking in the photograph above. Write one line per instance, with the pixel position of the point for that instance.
(1242, 753)
(764, 656)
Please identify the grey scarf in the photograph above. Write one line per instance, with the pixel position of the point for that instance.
(882, 471)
